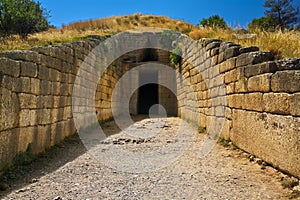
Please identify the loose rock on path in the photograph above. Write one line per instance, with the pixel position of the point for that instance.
(226, 173)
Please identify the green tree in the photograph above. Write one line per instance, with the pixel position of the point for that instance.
(214, 21)
(265, 23)
(22, 17)
(282, 12)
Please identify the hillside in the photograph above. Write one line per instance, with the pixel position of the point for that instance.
(284, 44)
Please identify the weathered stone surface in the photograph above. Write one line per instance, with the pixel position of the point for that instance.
(212, 45)
(28, 118)
(26, 137)
(11, 83)
(22, 55)
(253, 58)
(226, 45)
(241, 86)
(214, 52)
(236, 101)
(253, 102)
(45, 87)
(286, 81)
(227, 65)
(230, 88)
(295, 104)
(233, 75)
(44, 116)
(26, 85)
(231, 52)
(45, 101)
(43, 72)
(43, 138)
(54, 75)
(260, 83)
(274, 138)
(56, 133)
(253, 70)
(8, 145)
(9, 109)
(57, 115)
(206, 41)
(248, 49)
(278, 103)
(225, 133)
(27, 101)
(214, 60)
(10, 67)
(289, 64)
(35, 86)
(29, 69)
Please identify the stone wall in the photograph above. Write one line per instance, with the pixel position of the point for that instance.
(258, 98)
(262, 99)
(36, 97)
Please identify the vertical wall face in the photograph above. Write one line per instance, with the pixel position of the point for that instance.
(261, 107)
(35, 92)
(262, 99)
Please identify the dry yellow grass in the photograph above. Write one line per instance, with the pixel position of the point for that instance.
(105, 26)
(285, 44)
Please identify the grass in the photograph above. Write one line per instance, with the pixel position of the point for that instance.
(223, 142)
(105, 26)
(284, 44)
(201, 129)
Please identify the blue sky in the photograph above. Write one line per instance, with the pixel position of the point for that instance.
(237, 13)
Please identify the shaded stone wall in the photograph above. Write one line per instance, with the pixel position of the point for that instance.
(36, 97)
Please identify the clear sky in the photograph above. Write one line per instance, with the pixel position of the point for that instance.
(237, 13)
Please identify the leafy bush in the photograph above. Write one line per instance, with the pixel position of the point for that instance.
(22, 17)
(175, 56)
(264, 23)
(214, 21)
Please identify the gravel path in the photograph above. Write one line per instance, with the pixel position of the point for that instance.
(226, 173)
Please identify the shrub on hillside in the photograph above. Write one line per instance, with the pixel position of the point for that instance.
(22, 17)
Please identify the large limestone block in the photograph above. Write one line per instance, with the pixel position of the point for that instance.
(29, 69)
(28, 118)
(278, 103)
(235, 101)
(8, 145)
(9, 67)
(274, 138)
(253, 101)
(295, 105)
(27, 101)
(260, 83)
(254, 70)
(26, 137)
(9, 109)
(286, 81)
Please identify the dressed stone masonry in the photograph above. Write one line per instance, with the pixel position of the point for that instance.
(262, 96)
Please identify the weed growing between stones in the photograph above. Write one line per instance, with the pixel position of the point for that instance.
(224, 143)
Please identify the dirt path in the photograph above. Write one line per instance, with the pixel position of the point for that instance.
(69, 172)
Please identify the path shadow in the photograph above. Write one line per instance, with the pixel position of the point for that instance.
(54, 158)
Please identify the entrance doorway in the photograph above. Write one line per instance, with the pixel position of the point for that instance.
(148, 93)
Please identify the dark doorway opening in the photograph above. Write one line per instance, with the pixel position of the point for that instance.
(148, 96)
(148, 92)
